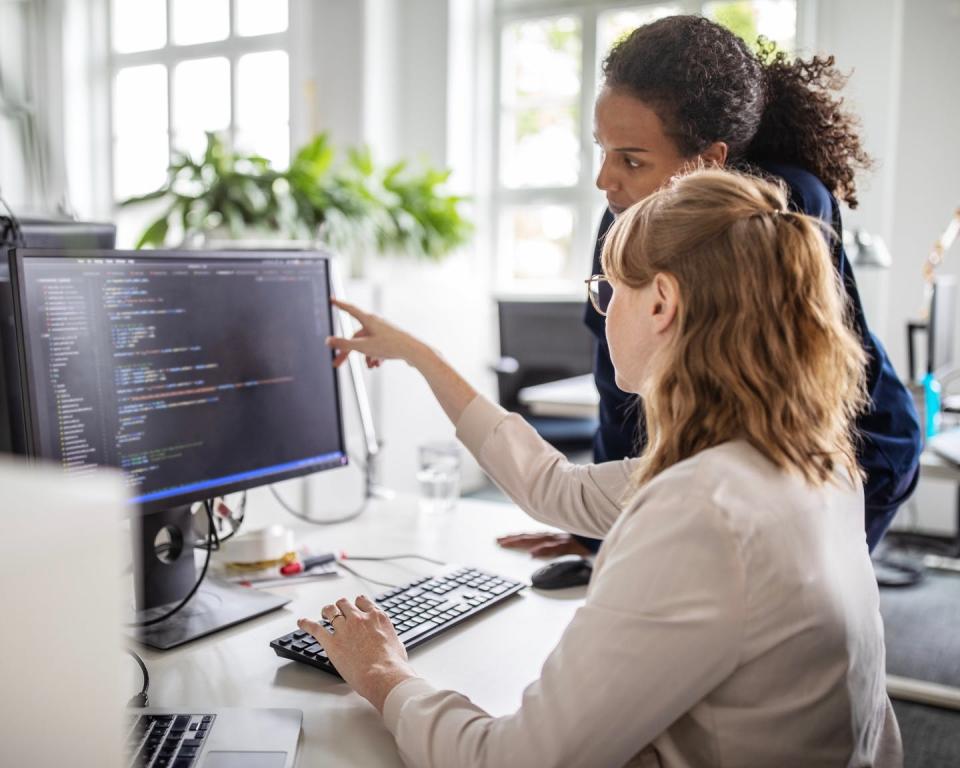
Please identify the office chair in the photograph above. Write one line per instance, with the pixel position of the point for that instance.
(542, 341)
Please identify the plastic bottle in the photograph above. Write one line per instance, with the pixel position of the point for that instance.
(931, 404)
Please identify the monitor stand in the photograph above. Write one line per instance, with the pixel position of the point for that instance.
(164, 572)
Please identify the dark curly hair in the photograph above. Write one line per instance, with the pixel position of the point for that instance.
(706, 85)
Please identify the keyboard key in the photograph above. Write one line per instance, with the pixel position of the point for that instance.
(417, 631)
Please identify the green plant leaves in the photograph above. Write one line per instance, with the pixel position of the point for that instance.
(154, 234)
(351, 204)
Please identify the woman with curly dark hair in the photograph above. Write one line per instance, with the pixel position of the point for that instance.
(684, 91)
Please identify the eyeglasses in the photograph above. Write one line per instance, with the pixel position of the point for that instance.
(600, 292)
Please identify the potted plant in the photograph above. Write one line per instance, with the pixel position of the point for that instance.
(349, 204)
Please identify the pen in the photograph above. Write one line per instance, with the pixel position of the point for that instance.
(307, 563)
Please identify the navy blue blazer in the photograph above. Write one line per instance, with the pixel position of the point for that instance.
(890, 441)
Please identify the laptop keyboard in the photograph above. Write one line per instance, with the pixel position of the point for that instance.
(419, 611)
(166, 741)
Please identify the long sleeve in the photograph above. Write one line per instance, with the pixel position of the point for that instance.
(661, 627)
(584, 499)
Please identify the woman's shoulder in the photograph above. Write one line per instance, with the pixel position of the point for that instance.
(742, 485)
(706, 468)
(699, 482)
(808, 194)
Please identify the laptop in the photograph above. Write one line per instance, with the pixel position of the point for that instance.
(64, 671)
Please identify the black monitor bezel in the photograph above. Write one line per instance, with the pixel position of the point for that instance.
(31, 426)
(58, 233)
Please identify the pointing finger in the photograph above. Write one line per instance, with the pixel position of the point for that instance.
(351, 310)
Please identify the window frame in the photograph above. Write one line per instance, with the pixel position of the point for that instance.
(583, 198)
(232, 48)
(27, 114)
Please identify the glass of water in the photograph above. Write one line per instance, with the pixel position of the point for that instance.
(439, 476)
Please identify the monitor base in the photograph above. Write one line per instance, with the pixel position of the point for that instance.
(217, 605)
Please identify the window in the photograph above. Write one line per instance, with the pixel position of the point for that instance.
(21, 179)
(545, 205)
(183, 67)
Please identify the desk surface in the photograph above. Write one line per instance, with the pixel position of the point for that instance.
(491, 659)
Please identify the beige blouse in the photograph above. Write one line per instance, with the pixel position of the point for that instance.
(732, 620)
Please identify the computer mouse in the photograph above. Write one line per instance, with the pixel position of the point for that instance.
(566, 571)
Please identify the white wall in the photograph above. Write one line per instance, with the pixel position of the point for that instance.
(905, 62)
(927, 175)
(927, 186)
(407, 114)
(905, 58)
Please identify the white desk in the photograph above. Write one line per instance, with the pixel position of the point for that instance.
(491, 658)
(574, 398)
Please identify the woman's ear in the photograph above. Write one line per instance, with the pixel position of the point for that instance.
(715, 154)
(666, 294)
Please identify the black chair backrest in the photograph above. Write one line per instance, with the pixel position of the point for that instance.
(547, 339)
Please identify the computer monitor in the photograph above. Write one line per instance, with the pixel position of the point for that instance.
(941, 332)
(197, 373)
(33, 233)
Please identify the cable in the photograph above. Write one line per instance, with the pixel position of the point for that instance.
(300, 516)
(141, 699)
(345, 556)
(385, 558)
(234, 525)
(210, 540)
(348, 569)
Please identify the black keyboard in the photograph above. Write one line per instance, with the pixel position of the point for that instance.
(419, 611)
(166, 741)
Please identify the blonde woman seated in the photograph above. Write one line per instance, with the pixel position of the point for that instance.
(732, 618)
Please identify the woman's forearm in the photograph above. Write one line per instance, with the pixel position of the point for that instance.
(452, 391)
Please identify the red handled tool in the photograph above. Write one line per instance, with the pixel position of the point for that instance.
(307, 563)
